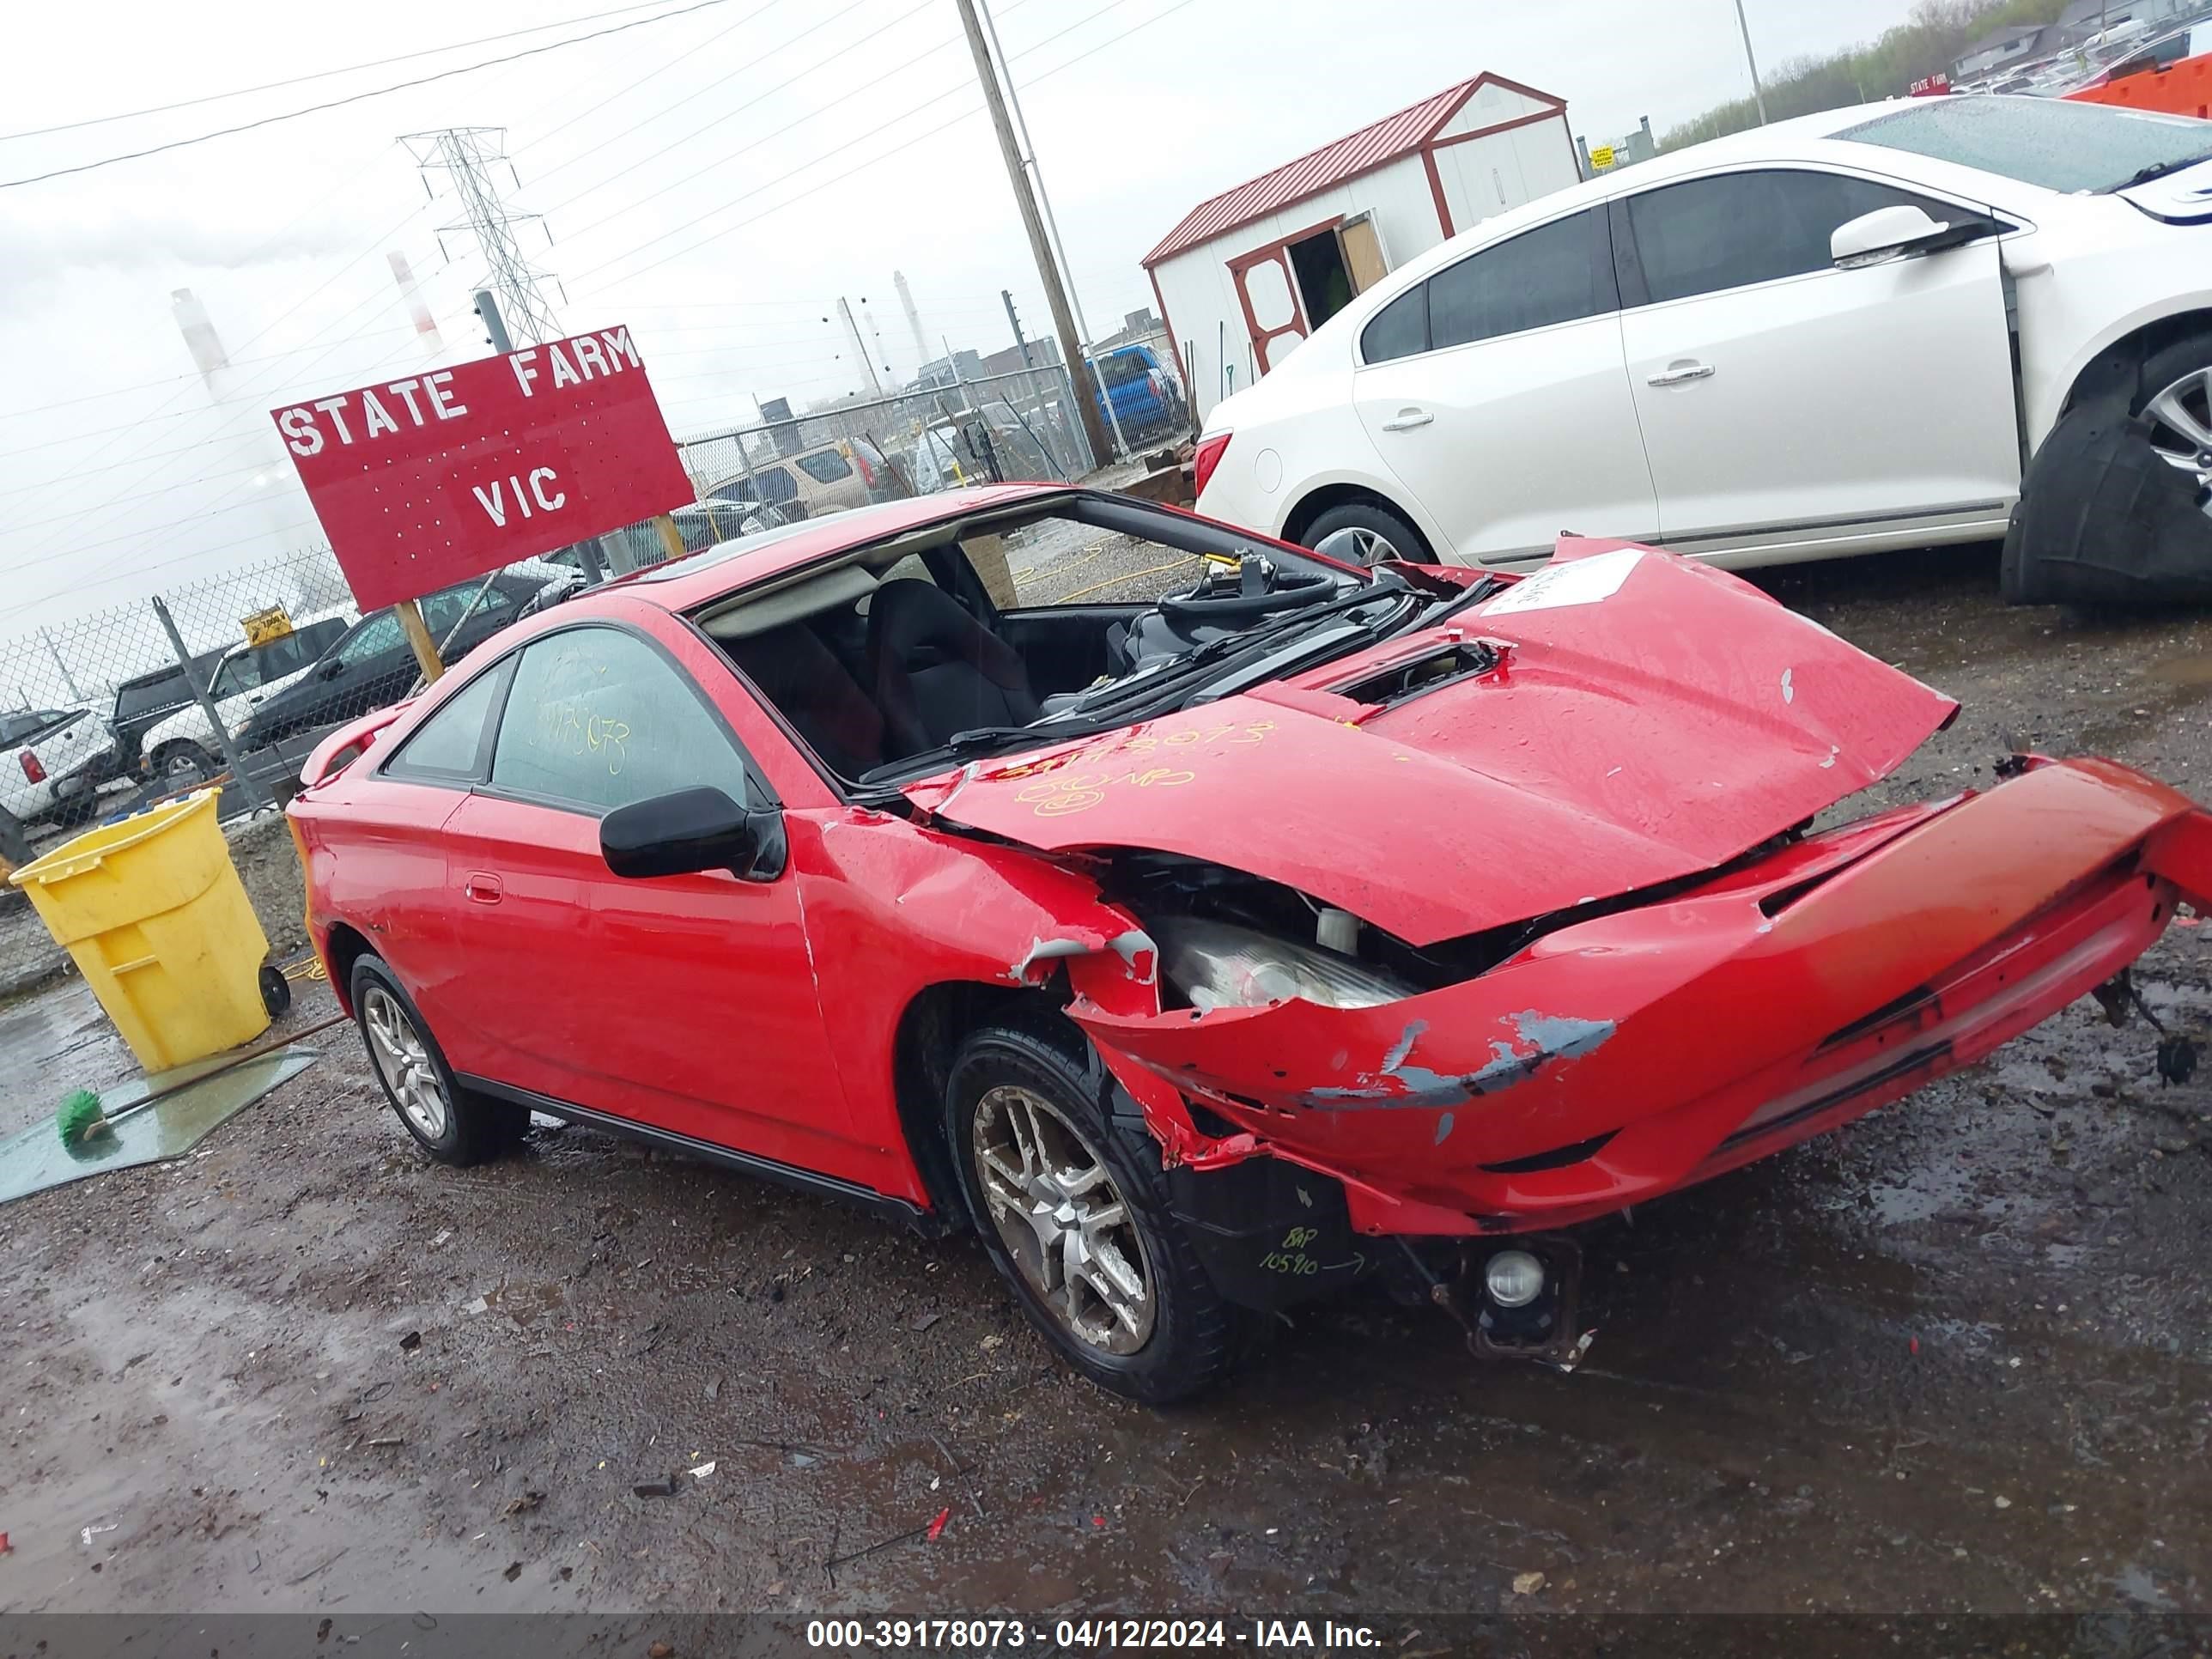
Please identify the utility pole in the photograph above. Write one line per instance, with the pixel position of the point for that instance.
(853, 333)
(467, 155)
(1015, 323)
(1757, 92)
(1063, 321)
(1052, 226)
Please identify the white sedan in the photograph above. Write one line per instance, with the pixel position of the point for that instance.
(1834, 335)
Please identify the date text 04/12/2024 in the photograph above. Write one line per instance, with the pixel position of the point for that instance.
(982, 1635)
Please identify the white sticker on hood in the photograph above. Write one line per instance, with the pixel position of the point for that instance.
(1579, 581)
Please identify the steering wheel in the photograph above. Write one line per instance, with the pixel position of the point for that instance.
(1287, 592)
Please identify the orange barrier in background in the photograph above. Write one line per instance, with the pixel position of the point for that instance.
(2182, 88)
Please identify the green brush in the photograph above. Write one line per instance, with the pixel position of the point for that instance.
(81, 1118)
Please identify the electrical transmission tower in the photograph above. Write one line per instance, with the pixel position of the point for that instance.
(469, 154)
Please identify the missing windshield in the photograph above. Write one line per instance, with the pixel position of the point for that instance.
(1008, 629)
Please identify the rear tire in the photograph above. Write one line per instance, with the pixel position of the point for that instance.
(1063, 1183)
(453, 1125)
(1384, 534)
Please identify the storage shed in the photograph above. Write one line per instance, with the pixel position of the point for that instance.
(1248, 273)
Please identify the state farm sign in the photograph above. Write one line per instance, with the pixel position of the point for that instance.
(425, 482)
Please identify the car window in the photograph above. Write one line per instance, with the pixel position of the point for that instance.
(2053, 143)
(1554, 274)
(1401, 328)
(448, 747)
(773, 485)
(1122, 368)
(442, 612)
(1737, 228)
(251, 670)
(373, 638)
(826, 467)
(14, 728)
(598, 719)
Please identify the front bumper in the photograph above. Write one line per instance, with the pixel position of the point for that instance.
(1642, 1051)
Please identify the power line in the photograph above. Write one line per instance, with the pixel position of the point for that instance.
(325, 74)
(629, 87)
(851, 93)
(148, 385)
(354, 98)
(729, 114)
(862, 167)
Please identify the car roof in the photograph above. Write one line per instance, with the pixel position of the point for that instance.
(727, 566)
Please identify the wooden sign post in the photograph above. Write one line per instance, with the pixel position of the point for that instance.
(418, 637)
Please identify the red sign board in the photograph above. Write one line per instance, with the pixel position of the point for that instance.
(426, 481)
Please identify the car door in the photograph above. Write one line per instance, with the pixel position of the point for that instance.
(686, 1003)
(1497, 392)
(1784, 399)
(352, 681)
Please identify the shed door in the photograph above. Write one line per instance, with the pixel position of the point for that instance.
(1362, 252)
(1269, 294)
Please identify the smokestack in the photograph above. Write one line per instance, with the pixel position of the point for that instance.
(418, 313)
(200, 338)
(912, 317)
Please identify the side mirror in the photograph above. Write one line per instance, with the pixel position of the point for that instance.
(1885, 233)
(691, 831)
(330, 670)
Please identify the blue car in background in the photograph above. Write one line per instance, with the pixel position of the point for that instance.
(1147, 401)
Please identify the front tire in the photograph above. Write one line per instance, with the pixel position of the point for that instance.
(1063, 1183)
(184, 766)
(1378, 533)
(448, 1122)
(2174, 392)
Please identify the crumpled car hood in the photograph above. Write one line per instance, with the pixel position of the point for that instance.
(1651, 718)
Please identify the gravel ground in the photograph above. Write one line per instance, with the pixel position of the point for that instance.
(1954, 1358)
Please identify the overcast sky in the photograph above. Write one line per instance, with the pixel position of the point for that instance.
(715, 182)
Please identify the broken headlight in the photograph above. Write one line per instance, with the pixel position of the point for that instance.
(1219, 966)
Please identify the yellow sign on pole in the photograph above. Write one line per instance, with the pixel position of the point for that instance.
(265, 626)
(1601, 156)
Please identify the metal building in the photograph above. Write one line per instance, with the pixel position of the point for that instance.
(1248, 273)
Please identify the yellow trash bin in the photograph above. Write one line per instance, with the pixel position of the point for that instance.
(152, 912)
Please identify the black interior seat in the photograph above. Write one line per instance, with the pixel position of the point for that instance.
(937, 671)
(802, 677)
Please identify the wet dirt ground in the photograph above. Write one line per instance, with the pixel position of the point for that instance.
(1956, 1357)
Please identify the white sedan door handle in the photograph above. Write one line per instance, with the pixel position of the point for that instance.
(1408, 420)
(1682, 369)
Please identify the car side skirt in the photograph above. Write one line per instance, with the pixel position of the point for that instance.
(807, 1181)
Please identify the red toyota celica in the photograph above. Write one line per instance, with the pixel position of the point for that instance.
(1183, 947)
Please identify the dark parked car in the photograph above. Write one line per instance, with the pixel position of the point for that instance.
(144, 701)
(372, 665)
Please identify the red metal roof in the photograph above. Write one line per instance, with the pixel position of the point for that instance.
(1372, 146)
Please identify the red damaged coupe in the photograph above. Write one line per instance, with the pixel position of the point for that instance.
(821, 856)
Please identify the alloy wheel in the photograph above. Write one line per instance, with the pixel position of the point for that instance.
(1371, 546)
(403, 1060)
(186, 766)
(1063, 1220)
(2181, 423)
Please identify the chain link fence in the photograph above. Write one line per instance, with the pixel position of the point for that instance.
(231, 680)
(227, 681)
(960, 431)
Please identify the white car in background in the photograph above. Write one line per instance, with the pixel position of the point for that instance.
(183, 748)
(1834, 335)
(50, 762)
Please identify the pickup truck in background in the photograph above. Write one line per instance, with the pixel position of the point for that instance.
(51, 762)
(1147, 398)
